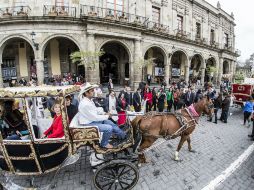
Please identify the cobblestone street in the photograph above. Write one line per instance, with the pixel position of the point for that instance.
(216, 146)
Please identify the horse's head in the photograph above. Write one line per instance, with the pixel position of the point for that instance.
(207, 105)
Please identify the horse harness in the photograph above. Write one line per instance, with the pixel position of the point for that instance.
(181, 118)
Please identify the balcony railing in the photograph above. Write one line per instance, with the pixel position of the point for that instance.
(16, 11)
(158, 27)
(181, 34)
(112, 15)
(59, 11)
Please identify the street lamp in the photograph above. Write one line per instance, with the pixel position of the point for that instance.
(36, 45)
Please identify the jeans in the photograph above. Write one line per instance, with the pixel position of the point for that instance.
(224, 115)
(108, 128)
(13, 137)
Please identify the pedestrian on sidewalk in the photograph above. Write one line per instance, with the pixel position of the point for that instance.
(217, 106)
(170, 99)
(225, 108)
(161, 100)
(247, 110)
(148, 96)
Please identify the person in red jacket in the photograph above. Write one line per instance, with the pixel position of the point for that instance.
(56, 129)
(148, 96)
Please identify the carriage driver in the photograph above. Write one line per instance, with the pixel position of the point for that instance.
(89, 114)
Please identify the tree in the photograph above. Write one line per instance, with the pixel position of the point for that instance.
(87, 58)
(142, 63)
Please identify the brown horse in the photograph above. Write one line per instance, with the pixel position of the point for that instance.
(169, 126)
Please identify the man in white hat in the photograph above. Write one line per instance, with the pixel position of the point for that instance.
(92, 115)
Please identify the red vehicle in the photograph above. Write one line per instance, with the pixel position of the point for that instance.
(242, 92)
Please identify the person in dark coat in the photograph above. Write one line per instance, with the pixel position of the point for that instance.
(225, 108)
(180, 103)
(137, 100)
(217, 105)
(110, 85)
(128, 96)
(189, 97)
(149, 78)
(154, 99)
(22, 82)
(100, 101)
(72, 110)
(161, 100)
(123, 91)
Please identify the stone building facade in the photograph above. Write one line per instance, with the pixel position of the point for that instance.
(183, 38)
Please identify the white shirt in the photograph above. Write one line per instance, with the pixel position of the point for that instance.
(88, 112)
(112, 104)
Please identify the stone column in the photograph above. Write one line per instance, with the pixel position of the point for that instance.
(93, 73)
(187, 71)
(40, 71)
(203, 66)
(220, 70)
(1, 76)
(166, 77)
(168, 74)
(137, 58)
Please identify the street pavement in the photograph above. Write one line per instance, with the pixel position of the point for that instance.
(216, 146)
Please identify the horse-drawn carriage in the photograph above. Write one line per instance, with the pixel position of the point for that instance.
(26, 151)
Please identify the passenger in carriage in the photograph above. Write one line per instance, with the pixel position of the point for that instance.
(3, 125)
(14, 118)
(89, 114)
(56, 129)
(71, 109)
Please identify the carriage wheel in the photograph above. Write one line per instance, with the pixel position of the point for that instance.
(116, 175)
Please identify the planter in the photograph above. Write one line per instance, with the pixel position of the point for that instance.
(92, 14)
(63, 13)
(21, 14)
(52, 13)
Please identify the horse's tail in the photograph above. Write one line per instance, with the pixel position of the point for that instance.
(135, 123)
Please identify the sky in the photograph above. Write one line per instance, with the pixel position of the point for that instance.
(244, 14)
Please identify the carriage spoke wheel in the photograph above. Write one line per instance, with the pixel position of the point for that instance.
(116, 175)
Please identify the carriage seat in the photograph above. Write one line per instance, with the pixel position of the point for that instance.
(83, 132)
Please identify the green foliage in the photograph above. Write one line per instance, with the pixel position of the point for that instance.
(211, 69)
(239, 76)
(88, 58)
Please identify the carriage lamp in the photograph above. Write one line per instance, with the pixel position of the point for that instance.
(36, 45)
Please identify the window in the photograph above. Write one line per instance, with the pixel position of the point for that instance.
(226, 40)
(19, 3)
(212, 36)
(179, 23)
(60, 3)
(117, 5)
(156, 14)
(198, 30)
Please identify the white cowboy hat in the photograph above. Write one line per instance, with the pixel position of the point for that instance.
(87, 87)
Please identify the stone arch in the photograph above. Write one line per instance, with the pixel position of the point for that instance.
(196, 63)
(210, 62)
(179, 64)
(226, 68)
(115, 63)
(46, 40)
(5, 41)
(56, 59)
(17, 66)
(164, 52)
(121, 42)
(157, 71)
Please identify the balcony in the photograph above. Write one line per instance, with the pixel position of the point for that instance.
(181, 34)
(157, 27)
(16, 11)
(59, 11)
(112, 15)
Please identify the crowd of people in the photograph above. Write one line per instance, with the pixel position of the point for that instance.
(55, 80)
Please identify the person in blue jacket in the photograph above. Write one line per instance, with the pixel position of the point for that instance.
(248, 110)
